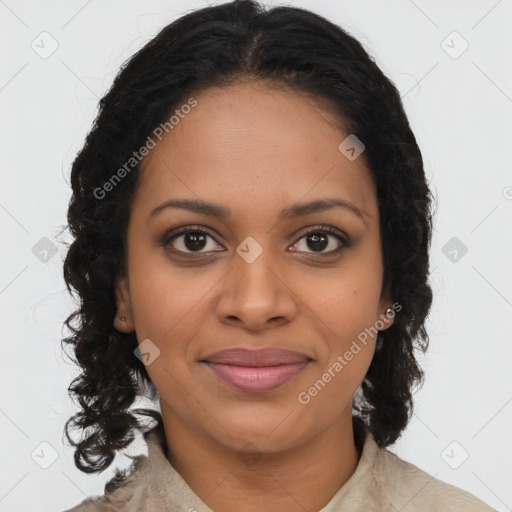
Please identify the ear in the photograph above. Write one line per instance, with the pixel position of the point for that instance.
(387, 312)
(123, 321)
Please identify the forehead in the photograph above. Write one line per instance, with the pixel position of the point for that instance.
(253, 140)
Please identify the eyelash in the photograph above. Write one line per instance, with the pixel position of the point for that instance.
(170, 237)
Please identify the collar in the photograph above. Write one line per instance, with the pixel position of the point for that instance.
(169, 490)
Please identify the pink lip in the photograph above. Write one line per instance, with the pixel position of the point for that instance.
(270, 356)
(256, 378)
(258, 370)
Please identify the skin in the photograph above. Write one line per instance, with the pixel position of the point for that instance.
(255, 149)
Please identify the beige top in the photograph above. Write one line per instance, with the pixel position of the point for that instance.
(382, 482)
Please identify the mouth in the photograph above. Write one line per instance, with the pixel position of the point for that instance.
(256, 379)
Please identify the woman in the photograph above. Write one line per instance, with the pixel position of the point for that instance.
(251, 227)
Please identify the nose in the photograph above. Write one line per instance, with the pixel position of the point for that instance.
(256, 295)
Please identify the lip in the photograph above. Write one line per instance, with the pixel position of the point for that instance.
(271, 356)
(256, 371)
(256, 379)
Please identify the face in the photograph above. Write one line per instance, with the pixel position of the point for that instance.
(263, 274)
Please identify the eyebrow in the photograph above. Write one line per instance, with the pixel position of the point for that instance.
(295, 210)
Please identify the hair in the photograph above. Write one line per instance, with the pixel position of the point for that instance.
(215, 47)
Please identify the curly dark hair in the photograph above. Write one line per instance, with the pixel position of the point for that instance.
(217, 46)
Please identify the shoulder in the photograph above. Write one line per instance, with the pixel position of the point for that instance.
(406, 485)
(120, 491)
(134, 488)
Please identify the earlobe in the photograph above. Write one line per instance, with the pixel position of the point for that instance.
(387, 310)
(123, 321)
(387, 318)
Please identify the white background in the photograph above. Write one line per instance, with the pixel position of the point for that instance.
(460, 110)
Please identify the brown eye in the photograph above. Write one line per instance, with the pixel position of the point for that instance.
(189, 241)
(194, 240)
(317, 240)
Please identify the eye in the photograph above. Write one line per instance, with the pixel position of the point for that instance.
(321, 237)
(193, 240)
(190, 240)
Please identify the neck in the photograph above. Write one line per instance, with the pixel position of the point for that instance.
(304, 477)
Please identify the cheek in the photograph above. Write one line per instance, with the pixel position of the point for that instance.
(164, 299)
(348, 305)
(334, 386)
(346, 356)
(346, 300)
